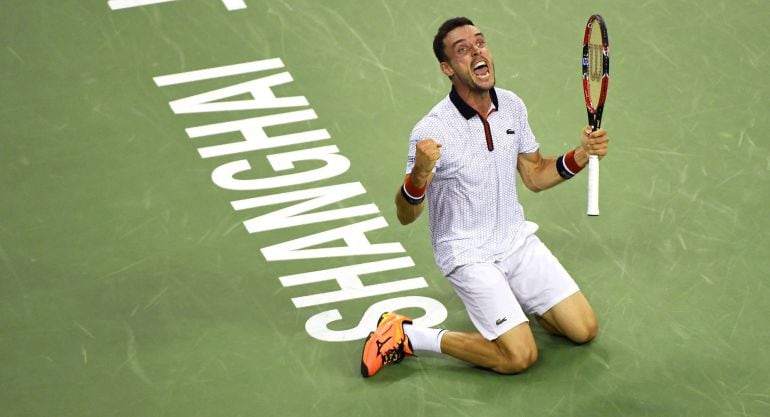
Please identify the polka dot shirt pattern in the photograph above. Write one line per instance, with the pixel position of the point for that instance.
(473, 206)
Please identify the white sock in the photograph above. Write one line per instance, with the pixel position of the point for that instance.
(424, 338)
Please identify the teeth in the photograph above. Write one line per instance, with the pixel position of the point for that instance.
(479, 64)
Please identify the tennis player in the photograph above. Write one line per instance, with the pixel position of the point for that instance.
(463, 159)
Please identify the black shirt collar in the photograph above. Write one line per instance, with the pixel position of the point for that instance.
(466, 110)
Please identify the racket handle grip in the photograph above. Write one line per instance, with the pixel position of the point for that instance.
(593, 186)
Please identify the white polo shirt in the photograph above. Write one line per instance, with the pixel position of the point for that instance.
(474, 210)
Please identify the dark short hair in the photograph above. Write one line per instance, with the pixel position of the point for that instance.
(443, 30)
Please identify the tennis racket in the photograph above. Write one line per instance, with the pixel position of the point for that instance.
(596, 78)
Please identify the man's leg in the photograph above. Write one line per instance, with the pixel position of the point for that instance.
(546, 290)
(504, 342)
(511, 353)
(572, 318)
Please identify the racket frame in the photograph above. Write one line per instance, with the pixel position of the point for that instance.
(595, 113)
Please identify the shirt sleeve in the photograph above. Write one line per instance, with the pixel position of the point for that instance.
(527, 141)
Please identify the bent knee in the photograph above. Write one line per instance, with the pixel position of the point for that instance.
(518, 361)
(585, 332)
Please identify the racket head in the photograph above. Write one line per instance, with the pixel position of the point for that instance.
(596, 68)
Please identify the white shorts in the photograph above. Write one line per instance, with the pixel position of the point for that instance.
(498, 295)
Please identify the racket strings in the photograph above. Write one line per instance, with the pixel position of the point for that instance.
(595, 63)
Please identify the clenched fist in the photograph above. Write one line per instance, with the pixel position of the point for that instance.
(428, 152)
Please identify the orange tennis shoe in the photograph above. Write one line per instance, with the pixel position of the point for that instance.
(387, 345)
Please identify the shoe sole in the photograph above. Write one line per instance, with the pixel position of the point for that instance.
(364, 368)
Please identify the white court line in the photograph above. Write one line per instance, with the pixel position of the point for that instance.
(125, 4)
(234, 4)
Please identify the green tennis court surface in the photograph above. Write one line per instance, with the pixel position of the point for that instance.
(152, 154)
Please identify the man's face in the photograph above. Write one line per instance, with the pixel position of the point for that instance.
(470, 60)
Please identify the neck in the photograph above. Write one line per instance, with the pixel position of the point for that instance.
(478, 99)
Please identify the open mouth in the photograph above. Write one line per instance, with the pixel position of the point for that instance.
(481, 69)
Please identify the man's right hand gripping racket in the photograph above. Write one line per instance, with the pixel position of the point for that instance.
(596, 77)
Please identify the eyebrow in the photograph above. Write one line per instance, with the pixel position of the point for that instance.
(461, 40)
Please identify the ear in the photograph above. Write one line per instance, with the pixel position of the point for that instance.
(447, 69)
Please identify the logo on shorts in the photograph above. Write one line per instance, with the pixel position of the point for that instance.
(501, 321)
